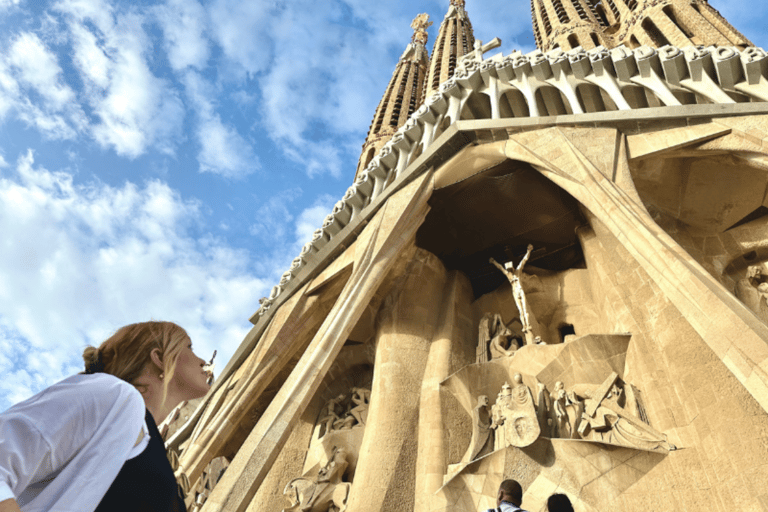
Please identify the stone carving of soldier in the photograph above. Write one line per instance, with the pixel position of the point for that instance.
(361, 397)
(331, 414)
(563, 422)
(328, 492)
(482, 441)
(515, 276)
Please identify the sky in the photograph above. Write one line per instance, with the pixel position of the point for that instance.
(167, 159)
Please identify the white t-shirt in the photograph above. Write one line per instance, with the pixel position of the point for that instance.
(61, 449)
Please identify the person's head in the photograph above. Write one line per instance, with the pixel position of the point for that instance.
(482, 400)
(511, 492)
(754, 272)
(161, 349)
(559, 503)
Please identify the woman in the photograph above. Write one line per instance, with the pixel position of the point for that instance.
(90, 442)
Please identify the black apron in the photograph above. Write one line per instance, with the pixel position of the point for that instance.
(146, 482)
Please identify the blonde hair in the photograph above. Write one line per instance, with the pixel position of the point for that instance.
(127, 352)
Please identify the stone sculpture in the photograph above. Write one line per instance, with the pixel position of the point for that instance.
(420, 24)
(361, 397)
(565, 412)
(514, 416)
(749, 291)
(342, 414)
(482, 441)
(331, 414)
(515, 276)
(326, 493)
(495, 337)
(605, 419)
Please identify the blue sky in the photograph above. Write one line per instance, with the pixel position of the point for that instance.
(167, 159)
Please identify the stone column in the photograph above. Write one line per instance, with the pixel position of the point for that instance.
(453, 346)
(385, 478)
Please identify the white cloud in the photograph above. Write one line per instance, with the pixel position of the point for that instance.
(79, 260)
(7, 4)
(30, 70)
(311, 219)
(183, 23)
(222, 149)
(135, 109)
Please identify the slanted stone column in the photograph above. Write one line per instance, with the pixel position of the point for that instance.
(385, 478)
(453, 346)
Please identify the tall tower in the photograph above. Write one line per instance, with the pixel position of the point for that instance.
(454, 40)
(403, 95)
(676, 22)
(567, 24)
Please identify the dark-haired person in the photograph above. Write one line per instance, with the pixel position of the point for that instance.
(559, 503)
(509, 498)
(90, 442)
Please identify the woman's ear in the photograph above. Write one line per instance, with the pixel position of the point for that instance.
(156, 356)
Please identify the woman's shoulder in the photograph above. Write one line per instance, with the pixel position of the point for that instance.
(86, 400)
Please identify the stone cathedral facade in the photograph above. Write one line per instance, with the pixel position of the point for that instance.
(550, 267)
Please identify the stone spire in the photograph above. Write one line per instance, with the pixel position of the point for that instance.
(454, 40)
(403, 95)
(676, 22)
(567, 24)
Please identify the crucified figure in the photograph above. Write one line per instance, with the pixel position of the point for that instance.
(515, 279)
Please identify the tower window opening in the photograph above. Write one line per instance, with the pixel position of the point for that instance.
(632, 4)
(596, 6)
(580, 10)
(560, 11)
(614, 10)
(566, 330)
(595, 40)
(671, 15)
(438, 60)
(545, 19)
(414, 90)
(656, 35)
(573, 41)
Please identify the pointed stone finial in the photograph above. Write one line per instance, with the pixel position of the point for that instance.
(420, 25)
(457, 3)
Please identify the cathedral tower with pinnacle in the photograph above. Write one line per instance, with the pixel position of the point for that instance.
(403, 95)
(568, 24)
(454, 40)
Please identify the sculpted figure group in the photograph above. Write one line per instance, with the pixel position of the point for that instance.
(325, 493)
(753, 291)
(608, 413)
(341, 413)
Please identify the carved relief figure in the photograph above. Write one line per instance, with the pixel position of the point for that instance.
(515, 275)
(327, 493)
(496, 337)
(606, 419)
(482, 441)
(565, 414)
(521, 426)
(331, 414)
(361, 397)
(748, 291)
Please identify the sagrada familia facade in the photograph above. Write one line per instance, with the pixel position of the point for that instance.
(550, 267)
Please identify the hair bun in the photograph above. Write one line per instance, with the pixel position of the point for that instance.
(92, 359)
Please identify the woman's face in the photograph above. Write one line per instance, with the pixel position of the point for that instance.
(189, 377)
